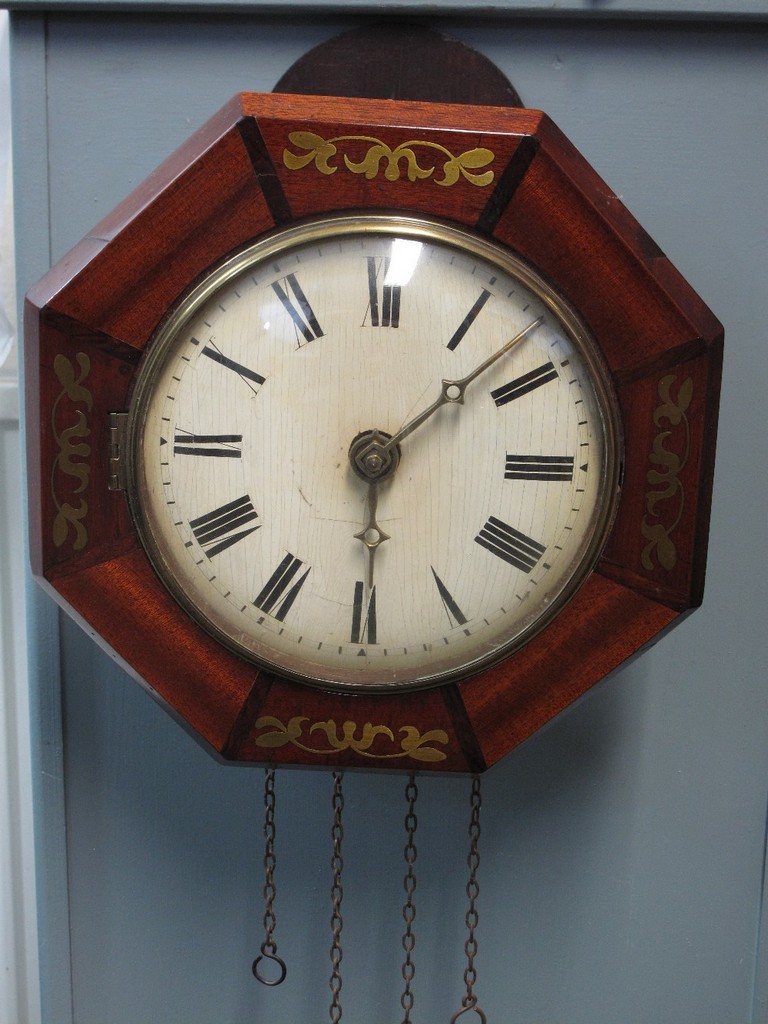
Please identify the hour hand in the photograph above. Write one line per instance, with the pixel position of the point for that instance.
(371, 534)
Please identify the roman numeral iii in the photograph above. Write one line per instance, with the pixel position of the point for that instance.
(280, 591)
(220, 529)
(539, 467)
(510, 545)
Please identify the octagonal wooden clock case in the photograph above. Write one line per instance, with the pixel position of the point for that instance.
(370, 433)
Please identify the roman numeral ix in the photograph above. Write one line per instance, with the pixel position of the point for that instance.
(220, 446)
(510, 545)
(220, 529)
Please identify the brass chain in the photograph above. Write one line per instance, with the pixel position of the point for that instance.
(469, 1002)
(269, 946)
(337, 894)
(409, 908)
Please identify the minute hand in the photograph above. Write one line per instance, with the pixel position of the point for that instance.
(452, 391)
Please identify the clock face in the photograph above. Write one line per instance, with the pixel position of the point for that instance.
(373, 452)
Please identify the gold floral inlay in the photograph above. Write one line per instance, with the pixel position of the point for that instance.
(669, 454)
(409, 744)
(73, 451)
(421, 159)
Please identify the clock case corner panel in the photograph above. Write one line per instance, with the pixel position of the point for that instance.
(265, 161)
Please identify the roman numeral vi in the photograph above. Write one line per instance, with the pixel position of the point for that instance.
(363, 619)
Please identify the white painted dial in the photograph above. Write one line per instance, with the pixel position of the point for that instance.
(242, 429)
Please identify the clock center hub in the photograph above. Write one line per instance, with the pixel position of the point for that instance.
(371, 458)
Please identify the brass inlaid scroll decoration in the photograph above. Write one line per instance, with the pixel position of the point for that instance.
(322, 151)
(665, 503)
(73, 452)
(412, 744)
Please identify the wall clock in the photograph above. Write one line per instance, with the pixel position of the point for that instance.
(370, 433)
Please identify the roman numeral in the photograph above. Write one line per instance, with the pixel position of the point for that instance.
(220, 529)
(220, 446)
(384, 313)
(280, 591)
(455, 615)
(469, 319)
(298, 308)
(525, 384)
(363, 620)
(510, 545)
(539, 467)
(249, 376)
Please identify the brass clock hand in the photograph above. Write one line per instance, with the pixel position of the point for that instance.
(453, 390)
(372, 464)
(374, 456)
(371, 534)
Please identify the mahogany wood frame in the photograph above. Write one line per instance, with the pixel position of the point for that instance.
(89, 320)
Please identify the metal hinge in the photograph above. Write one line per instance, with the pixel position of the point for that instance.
(118, 425)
